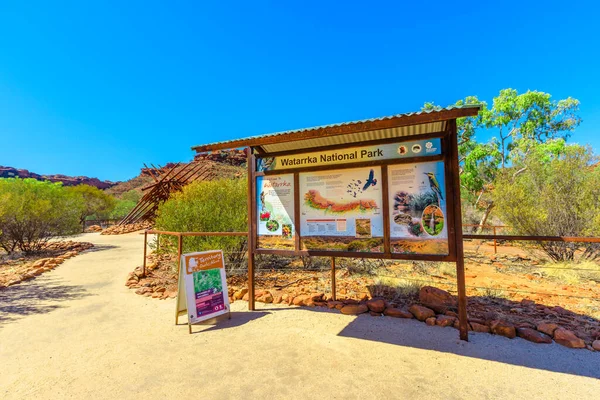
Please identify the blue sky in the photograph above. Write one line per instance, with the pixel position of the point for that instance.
(98, 89)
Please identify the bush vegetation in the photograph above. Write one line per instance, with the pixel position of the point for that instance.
(33, 212)
(211, 206)
(92, 202)
(553, 195)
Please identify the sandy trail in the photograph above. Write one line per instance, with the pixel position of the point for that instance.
(78, 332)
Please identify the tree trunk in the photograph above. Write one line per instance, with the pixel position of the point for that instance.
(485, 217)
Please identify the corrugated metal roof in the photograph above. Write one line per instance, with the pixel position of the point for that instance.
(292, 144)
(401, 131)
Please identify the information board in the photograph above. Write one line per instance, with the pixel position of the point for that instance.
(275, 214)
(380, 152)
(341, 210)
(417, 201)
(202, 286)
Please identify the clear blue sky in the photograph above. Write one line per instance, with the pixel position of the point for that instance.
(98, 89)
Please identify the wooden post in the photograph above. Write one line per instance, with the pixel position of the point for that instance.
(333, 294)
(458, 234)
(251, 227)
(179, 250)
(145, 246)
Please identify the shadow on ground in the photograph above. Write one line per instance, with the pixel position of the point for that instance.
(38, 296)
(99, 247)
(224, 322)
(411, 333)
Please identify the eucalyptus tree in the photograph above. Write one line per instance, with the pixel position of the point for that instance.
(515, 125)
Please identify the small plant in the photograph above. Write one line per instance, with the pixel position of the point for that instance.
(492, 293)
(447, 269)
(400, 287)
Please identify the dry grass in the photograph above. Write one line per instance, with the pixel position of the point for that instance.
(572, 273)
(402, 287)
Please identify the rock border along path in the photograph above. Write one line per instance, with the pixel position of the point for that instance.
(92, 337)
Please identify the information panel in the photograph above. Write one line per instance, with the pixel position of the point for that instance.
(341, 210)
(417, 200)
(275, 214)
(202, 286)
(386, 151)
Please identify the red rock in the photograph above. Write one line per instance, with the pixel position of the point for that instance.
(354, 309)
(527, 303)
(397, 313)
(266, 298)
(444, 320)
(316, 297)
(320, 303)
(300, 300)
(376, 305)
(277, 299)
(533, 336)
(568, 339)
(430, 321)
(246, 297)
(375, 314)
(480, 327)
(596, 345)
(525, 324)
(547, 327)
(333, 303)
(503, 328)
(239, 294)
(437, 299)
(421, 313)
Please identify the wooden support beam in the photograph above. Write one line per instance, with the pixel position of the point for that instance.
(251, 228)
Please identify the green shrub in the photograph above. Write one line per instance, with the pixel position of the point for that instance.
(32, 212)
(556, 195)
(211, 206)
(94, 203)
(122, 208)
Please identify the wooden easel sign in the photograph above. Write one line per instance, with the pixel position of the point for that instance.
(202, 291)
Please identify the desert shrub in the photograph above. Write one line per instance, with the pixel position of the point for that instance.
(554, 196)
(397, 287)
(122, 208)
(93, 202)
(33, 212)
(210, 206)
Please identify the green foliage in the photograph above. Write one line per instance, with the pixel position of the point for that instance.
(122, 208)
(521, 124)
(210, 206)
(209, 279)
(131, 196)
(553, 195)
(93, 202)
(32, 212)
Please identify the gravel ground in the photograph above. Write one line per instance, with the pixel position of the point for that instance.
(78, 332)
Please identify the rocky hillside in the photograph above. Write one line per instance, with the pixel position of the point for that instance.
(223, 164)
(10, 172)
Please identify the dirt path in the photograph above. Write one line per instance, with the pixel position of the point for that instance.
(78, 332)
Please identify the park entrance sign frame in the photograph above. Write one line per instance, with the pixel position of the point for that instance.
(384, 188)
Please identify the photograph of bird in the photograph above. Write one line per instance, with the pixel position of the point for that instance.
(371, 181)
(435, 186)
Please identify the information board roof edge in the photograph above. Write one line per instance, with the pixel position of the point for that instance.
(270, 141)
